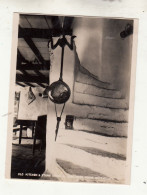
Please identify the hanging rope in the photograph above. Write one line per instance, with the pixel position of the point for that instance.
(58, 119)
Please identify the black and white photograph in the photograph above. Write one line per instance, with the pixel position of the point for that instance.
(72, 119)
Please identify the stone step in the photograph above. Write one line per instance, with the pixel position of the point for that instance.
(97, 143)
(90, 158)
(101, 127)
(94, 90)
(87, 99)
(81, 174)
(86, 164)
(95, 112)
(88, 79)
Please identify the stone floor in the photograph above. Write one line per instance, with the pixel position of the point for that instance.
(24, 164)
(84, 157)
(79, 157)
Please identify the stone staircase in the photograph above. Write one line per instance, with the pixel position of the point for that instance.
(84, 157)
(91, 89)
(95, 151)
(102, 108)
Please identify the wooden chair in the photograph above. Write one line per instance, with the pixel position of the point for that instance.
(28, 123)
(38, 130)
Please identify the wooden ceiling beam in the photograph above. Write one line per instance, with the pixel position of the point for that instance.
(38, 73)
(34, 49)
(29, 84)
(31, 79)
(56, 22)
(41, 85)
(20, 57)
(42, 33)
(42, 76)
(68, 21)
(45, 66)
(24, 72)
(20, 84)
(27, 75)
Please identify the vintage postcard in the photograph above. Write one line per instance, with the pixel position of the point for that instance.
(72, 98)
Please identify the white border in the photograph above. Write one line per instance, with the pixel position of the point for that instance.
(105, 8)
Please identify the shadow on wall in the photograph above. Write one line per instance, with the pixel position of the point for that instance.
(92, 59)
(103, 52)
(88, 42)
(116, 55)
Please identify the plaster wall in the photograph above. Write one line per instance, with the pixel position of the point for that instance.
(102, 51)
(36, 108)
(116, 55)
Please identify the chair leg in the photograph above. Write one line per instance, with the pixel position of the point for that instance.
(40, 145)
(34, 142)
(20, 134)
(32, 131)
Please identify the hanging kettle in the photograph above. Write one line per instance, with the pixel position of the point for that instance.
(59, 92)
